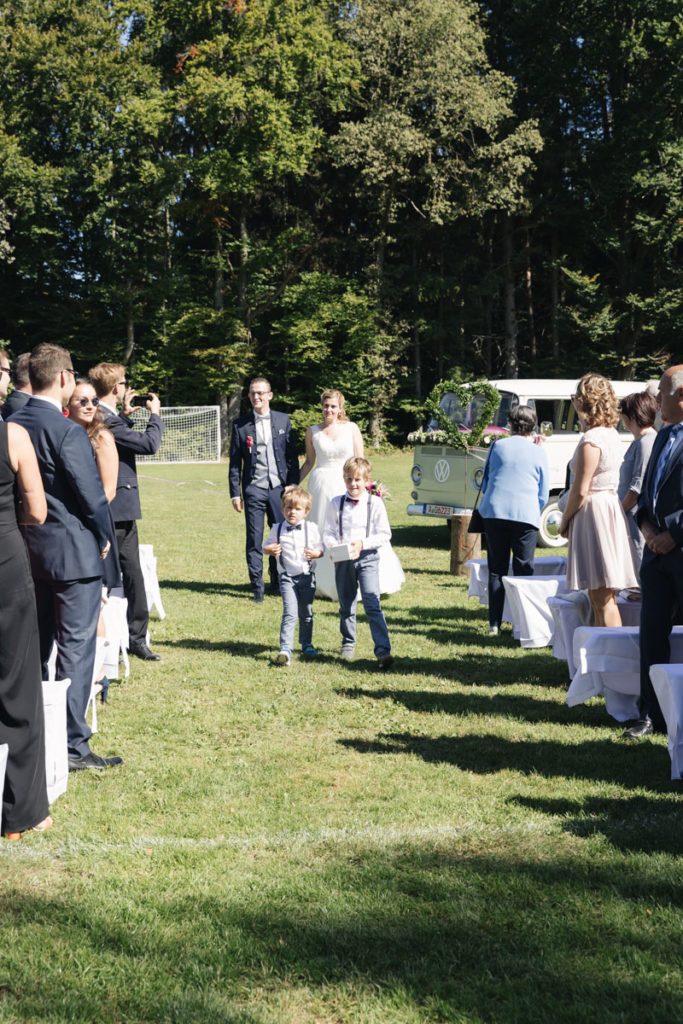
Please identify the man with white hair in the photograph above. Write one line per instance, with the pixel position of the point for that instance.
(660, 517)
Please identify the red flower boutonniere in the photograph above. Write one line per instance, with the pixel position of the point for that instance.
(250, 442)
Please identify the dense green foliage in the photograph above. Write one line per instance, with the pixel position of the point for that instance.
(369, 196)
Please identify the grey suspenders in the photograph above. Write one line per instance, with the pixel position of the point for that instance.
(279, 534)
(341, 512)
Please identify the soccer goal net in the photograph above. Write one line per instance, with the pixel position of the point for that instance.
(192, 433)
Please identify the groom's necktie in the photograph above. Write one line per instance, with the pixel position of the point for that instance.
(663, 460)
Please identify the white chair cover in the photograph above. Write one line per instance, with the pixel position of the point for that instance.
(56, 749)
(667, 681)
(116, 631)
(4, 749)
(148, 564)
(527, 598)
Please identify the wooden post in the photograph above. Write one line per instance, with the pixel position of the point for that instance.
(464, 545)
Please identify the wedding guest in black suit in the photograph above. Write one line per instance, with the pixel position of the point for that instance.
(22, 387)
(67, 551)
(660, 517)
(263, 460)
(109, 381)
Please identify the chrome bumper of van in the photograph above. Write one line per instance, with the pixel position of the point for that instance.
(437, 511)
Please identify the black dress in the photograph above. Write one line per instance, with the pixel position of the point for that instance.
(24, 800)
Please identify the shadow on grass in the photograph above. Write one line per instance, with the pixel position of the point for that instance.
(421, 536)
(208, 587)
(238, 648)
(646, 765)
(634, 824)
(472, 669)
(370, 932)
(510, 705)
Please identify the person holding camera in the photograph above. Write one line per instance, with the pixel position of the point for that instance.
(109, 381)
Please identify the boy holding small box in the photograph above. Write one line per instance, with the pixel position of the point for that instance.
(355, 528)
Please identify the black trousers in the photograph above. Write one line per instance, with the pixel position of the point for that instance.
(260, 505)
(661, 592)
(133, 580)
(503, 536)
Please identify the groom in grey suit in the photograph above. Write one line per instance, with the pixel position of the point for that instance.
(67, 551)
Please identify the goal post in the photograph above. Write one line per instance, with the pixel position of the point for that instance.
(192, 433)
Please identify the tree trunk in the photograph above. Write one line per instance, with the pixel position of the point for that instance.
(554, 297)
(533, 347)
(130, 326)
(510, 315)
(417, 340)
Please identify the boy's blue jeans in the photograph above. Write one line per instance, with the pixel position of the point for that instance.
(297, 593)
(363, 573)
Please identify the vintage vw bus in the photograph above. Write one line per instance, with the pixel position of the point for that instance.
(446, 480)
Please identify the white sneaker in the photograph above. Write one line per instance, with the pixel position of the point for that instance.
(283, 658)
(493, 630)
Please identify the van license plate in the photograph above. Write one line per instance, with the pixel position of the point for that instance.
(439, 510)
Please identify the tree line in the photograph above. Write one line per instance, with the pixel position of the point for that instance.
(371, 195)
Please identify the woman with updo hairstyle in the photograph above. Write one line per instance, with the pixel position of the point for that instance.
(514, 490)
(638, 413)
(600, 557)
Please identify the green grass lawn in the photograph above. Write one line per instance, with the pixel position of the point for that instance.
(323, 844)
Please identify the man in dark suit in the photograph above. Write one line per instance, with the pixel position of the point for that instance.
(5, 373)
(263, 460)
(660, 517)
(67, 551)
(22, 387)
(109, 381)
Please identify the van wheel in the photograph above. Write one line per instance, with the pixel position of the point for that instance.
(548, 535)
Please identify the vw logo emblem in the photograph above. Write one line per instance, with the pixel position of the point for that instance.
(442, 471)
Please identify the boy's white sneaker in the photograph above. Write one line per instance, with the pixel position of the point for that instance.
(283, 658)
(347, 652)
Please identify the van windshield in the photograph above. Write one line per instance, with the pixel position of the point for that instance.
(466, 417)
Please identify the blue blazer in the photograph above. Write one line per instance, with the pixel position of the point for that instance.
(129, 443)
(669, 514)
(243, 462)
(516, 480)
(68, 544)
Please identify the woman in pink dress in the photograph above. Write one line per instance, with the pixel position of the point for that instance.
(600, 558)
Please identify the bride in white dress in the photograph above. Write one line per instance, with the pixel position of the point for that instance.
(328, 445)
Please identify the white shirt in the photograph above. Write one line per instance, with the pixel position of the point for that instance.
(355, 522)
(264, 431)
(293, 560)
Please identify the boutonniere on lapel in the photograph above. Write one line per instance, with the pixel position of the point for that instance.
(250, 442)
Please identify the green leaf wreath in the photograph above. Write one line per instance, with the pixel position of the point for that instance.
(464, 393)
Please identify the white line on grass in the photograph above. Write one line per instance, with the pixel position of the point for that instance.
(375, 835)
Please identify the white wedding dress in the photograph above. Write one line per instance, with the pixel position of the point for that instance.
(326, 482)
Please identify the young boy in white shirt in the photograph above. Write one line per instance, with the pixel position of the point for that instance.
(359, 520)
(295, 544)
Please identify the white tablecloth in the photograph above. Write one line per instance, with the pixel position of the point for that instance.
(667, 681)
(569, 612)
(527, 600)
(608, 663)
(547, 565)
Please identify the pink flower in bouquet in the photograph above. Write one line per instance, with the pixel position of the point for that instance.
(377, 488)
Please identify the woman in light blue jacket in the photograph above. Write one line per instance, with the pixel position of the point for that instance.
(513, 492)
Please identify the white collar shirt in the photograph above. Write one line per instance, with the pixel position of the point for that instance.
(293, 561)
(355, 523)
(52, 401)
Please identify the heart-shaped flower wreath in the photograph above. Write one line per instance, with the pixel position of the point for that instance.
(455, 437)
